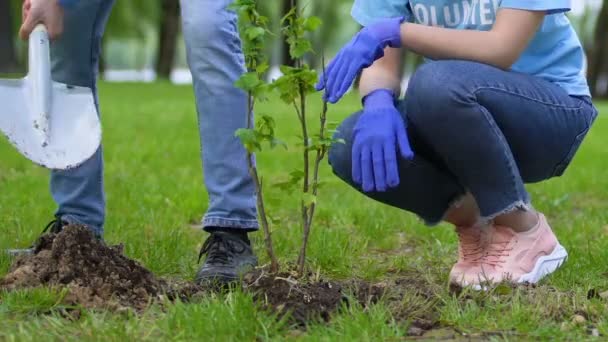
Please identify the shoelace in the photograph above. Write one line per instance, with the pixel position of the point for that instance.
(54, 226)
(471, 246)
(496, 252)
(219, 249)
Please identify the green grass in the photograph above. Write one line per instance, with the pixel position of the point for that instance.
(155, 192)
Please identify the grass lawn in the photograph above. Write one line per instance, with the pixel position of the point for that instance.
(155, 194)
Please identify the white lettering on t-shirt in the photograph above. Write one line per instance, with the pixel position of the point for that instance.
(422, 14)
(473, 12)
(457, 13)
(467, 12)
(485, 12)
(452, 21)
(433, 15)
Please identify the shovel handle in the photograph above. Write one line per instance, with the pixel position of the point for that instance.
(40, 27)
(40, 77)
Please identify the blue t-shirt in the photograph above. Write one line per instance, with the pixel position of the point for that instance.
(554, 54)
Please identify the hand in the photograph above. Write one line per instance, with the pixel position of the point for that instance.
(47, 12)
(363, 50)
(377, 134)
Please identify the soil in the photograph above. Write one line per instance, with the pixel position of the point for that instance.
(101, 276)
(304, 302)
(95, 274)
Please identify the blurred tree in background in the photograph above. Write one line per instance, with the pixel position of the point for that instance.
(8, 54)
(167, 38)
(145, 35)
(598, 54)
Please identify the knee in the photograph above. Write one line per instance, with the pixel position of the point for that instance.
(207, 27)
(436, 88)
(340, 153)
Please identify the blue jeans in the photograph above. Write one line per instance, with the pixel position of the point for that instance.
(75, 60)
(216, 62)
(478, 129)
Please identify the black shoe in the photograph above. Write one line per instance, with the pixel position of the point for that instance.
(53, 227)
(228, 257)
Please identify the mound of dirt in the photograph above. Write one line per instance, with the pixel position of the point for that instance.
(96, 275)
(302, 301)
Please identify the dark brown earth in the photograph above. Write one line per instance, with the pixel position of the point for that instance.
(101, 276)
(95, 274)
(302, 301)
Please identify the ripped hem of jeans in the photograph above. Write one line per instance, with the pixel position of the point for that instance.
(455, 203)
(518, 205)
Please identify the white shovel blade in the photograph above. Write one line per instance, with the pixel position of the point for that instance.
(74, 130)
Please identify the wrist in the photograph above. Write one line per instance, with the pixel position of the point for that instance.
(395, 41)
(379, 98)
(388, 31)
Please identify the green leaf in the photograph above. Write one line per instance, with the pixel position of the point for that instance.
(248, 82)
(286, 70)
(254, 32)
(262, 68)
(249, 139)
(265, 126)
(300, 49)
(287, 86)
(308, 199)
(294, 178)
(311, 24)
(308, 79)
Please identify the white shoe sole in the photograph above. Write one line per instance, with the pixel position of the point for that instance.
(545, 265)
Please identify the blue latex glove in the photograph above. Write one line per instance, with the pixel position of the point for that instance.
(379, 131)
(366, 47)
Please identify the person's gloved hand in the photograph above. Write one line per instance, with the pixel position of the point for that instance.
(379, 131)
(47, 12)
(366, 47)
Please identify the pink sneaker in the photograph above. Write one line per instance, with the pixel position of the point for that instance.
(518, 257)
(471, 246)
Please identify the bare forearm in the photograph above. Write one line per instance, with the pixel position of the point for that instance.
(439, 43)
(500, 46)
(383, 74)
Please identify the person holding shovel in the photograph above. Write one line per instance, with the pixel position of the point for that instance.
(216, 62)
(501, 101)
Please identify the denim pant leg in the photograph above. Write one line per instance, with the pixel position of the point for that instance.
(496, 129)
(79, 192)
(216, 61)
(426, 188)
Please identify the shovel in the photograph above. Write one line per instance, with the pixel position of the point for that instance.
(53, 124)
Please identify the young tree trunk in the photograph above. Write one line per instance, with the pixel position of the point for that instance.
(598, 58)
(8, 57)
(285, 56)
(167, 42)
